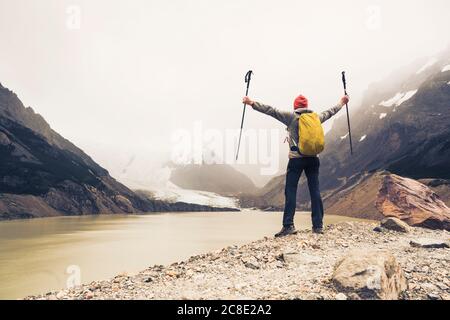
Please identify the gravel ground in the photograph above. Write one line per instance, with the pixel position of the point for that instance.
(295, 267)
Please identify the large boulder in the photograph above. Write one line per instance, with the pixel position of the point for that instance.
(412, 202)
(370, 274)
(382, 195)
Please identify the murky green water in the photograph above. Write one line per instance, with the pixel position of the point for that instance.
(40, 255)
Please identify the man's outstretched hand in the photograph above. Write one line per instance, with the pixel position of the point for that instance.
(248, 101)
(344, 101)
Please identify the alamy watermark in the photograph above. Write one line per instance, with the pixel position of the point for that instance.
(73, 19)
(74, 276)
(374, 18)
(212, 146)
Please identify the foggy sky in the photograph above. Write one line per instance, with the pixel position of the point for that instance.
(137, 70)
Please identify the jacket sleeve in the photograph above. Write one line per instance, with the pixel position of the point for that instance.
(324, 116)
(282, 116)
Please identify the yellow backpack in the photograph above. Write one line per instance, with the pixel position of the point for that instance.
(311, 139)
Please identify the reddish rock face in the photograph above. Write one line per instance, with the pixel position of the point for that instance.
(412, 202)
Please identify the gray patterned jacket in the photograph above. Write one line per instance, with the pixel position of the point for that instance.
(290, 119)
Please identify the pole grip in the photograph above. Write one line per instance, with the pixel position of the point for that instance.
(344, 82)
(248, 78)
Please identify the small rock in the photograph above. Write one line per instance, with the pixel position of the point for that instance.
(96, 286)
(190, 273)
(340, 296)
(428, 287)
(300, 258)
(395, 224)
(412, 286)
(251, 263)
(434, 296)
(172, 273)
(425, 269)
(378, 229)
(88, 295)
(442, 286)
(429, 243)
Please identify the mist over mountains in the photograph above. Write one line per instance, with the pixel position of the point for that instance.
(43, 174)
(401, 127)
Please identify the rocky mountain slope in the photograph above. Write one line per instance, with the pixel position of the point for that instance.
(350, 261)
(43, 174)
(401, 126)
(441, 187)
(403, 129)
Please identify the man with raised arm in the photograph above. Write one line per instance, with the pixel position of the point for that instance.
(299, 162)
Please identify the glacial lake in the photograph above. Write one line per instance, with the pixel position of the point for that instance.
(41, 255)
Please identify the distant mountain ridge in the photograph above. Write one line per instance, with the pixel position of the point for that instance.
(218, 178)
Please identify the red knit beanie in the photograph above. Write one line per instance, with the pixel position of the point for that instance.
(300, 102)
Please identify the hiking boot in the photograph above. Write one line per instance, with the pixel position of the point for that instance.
(317, 230)
(285, 231)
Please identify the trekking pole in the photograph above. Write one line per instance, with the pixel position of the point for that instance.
(248, 77)
(348, 116)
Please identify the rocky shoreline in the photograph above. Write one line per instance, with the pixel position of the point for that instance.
(302, 266)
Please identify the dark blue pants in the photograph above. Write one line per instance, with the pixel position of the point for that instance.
(294, 170)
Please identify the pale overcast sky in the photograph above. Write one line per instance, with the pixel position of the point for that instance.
(128, 73)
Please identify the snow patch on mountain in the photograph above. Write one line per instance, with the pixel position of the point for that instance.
(430, 62)
(398, 99)
(363, 138)
(172, 193)
(446, 68)
(392, 101)
(163, 189)
(383, 115)
(408, 95)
